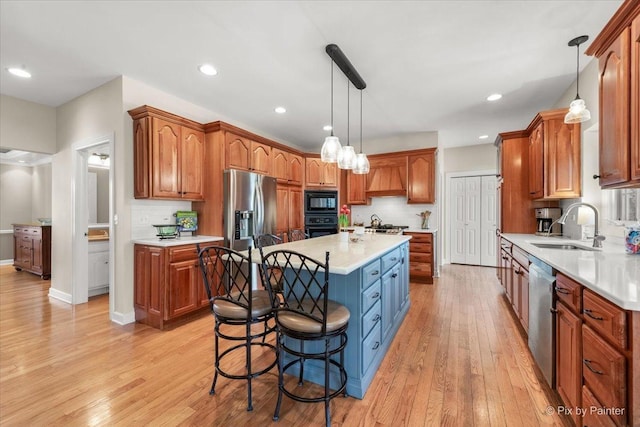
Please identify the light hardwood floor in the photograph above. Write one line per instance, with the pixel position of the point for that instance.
(458, 360)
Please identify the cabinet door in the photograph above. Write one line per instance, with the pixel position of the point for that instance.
(421, 178)
(614, 112)
(165, 163)
(397, 291)
(315, 171)
(387, 304)
(36, 255)
(296, 202)
(568, 357)
(330, 175)
(356, 184)
(182, 288)
(191, 164)
(280, 165)
(524, 298)
(149, 284)
(282, 209)
(260, 158)
(635, 99)
(141, 158)
(98, 269)
(515, 287)
(296, 169)
(562, 159)
(237, 152)
(536, 142)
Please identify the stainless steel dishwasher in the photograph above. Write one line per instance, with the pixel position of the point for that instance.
(541, 319)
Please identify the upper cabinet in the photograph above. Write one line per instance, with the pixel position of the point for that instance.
(321, 174)
(287, 168)
(356, 189)
(617, 48)
(421, 173)
(387, 175)
(245, 154)
(554, 157)
(168, 156)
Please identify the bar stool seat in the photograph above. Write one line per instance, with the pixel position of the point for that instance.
(260, 306)
(337, 317)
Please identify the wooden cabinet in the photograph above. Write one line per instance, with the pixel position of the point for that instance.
(289, 208)
(387, 175)
(569, 358)
(98, 267)
(245, 154)
(421, 177)
(356, 189)
(515, 205)
(168, 156)
(287, 168)
(421, 257)
(617, 49)
(167, 283)
(554, 157)
(32, 249)
(321, 174)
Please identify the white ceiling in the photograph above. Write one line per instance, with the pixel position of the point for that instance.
(428, 65)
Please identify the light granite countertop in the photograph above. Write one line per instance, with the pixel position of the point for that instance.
(609, 272)
(344, 257)
(420, 230)
(183, 240)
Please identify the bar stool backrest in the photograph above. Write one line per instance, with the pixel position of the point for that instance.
(304, 281)
(297, 234)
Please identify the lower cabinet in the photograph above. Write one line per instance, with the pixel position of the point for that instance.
(520, 293)
(569, 358)
(167, 283)
(32, 249)
(98, 268)
(421, 257)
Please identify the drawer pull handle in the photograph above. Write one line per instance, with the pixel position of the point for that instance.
(394, 259)
(553, 310)
(375, 347)
(375, 319)
(375, 273)
(588, 313)
(375, 296)
(394, 275)
(562, 291)
(587, 363)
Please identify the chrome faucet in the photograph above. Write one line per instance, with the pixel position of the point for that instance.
(597, 239)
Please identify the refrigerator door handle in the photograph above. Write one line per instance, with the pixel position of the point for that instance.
(258, 226)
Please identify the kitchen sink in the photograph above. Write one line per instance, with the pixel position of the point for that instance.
(564, 246)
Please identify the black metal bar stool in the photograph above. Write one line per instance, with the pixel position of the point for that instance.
(306, 315)
(227, 280)
(297, 234)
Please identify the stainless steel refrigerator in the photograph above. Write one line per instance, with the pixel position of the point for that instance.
(249, 207)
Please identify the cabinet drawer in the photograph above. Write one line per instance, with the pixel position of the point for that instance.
(420, 269)
(417, 257)
(420, 237)
(370, 296)
(370, 347)
(390, 259)
(569, 292)
(521, 256)
(370, 273)
(506, 245)
(591, 416)
(420, 247)
(372, 317)
(605, 317)
(604, 371)
(183, 253)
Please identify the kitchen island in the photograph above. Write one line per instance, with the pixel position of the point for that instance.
(371, 278)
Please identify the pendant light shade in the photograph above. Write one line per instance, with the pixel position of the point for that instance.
(331, 147)
(361, 165)
(578, 112)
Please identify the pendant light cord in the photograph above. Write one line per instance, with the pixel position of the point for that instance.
(360, 120)
(577, 71)
(348, 112)
(332, 97)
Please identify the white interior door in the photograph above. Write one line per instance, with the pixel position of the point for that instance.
(472, 221)
(489, 221)
(457, 217)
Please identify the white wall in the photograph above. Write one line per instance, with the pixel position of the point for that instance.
(27, 126)
(413, 141)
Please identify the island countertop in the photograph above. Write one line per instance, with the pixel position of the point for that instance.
(344, 257)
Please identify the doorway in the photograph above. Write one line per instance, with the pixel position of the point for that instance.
(473, 220)
(82, 152)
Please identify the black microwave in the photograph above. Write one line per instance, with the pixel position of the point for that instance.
(320, 202)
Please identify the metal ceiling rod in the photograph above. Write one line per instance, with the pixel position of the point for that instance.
(345, 65)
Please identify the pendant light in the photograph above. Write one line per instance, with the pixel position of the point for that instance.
(361, 165)
(331, 147)
(347, 155)
(578, 112)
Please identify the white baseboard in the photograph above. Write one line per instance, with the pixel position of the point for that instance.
(123, 318)
(59, 295)
(6, 261)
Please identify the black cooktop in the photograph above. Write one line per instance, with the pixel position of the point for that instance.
(388, 226)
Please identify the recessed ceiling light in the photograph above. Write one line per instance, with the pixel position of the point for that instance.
(280, 110)
(20, 72)
(483, 137)
(494, 97)
(327, 128)
(208, 70)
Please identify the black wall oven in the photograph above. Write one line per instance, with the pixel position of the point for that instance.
(320, 202)
(320, 212)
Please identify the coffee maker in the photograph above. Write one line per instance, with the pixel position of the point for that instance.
(545, 219)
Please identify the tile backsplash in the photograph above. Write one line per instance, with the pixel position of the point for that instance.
(396, 211)
(146, 213)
